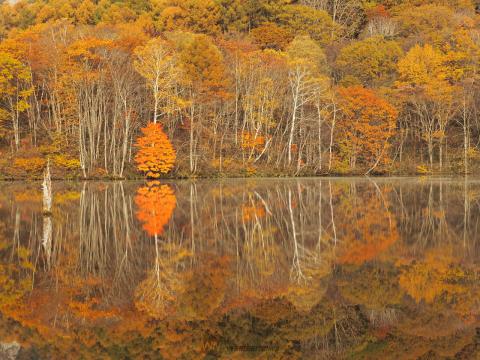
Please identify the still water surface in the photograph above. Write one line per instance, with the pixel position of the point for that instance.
(269, 269)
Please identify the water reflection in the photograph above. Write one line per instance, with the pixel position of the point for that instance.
(302, 268)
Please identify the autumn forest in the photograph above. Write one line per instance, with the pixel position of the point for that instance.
(239, 179)
(238, 87)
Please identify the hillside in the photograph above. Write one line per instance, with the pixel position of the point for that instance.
(240, 87)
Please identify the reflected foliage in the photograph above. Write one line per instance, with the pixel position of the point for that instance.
(156, 204)
(310, 268)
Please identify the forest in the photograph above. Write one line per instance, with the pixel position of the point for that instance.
(238, 87)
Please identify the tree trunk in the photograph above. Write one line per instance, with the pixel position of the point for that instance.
(192, 139)
(332, 128)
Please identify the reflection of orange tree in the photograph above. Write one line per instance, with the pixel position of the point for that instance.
(157, 292)
(369, 227)
(155, 204)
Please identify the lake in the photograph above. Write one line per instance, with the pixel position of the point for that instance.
(363, 268)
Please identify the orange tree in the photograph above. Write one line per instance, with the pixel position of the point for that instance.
(366, 124)
(156, 154)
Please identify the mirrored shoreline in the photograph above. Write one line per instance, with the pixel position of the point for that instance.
(261, 268)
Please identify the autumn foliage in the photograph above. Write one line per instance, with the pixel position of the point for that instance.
(285, 73)
(155, 203)
(375, 229)
(156, 154)
(252, 142)
(367, 123)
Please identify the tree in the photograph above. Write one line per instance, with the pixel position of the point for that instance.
(380, 22)
(259, 82)
(347, 13)
(237, 80)
(271, 36)
(305, 67)
(156, 63)
(428, 23)
(425, 83)
(372, 61)
(366, 124)
(261, 11)
(203, 16)
(85, 13)
(233, 15)
(116, 13)
(199, 16)
(15, 88)
(156, 154)
(304, 20)
(201, 62)
(204, 82)
(463, 55)
(96, 98)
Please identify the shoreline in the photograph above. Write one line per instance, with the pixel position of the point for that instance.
(266, 177)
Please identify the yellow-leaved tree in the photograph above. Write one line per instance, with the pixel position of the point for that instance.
(157, 64)
(156, 154)
(15, 88)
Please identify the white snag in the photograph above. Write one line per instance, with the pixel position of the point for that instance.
(47, 189)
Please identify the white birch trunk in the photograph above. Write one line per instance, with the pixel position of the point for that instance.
(47, 190)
